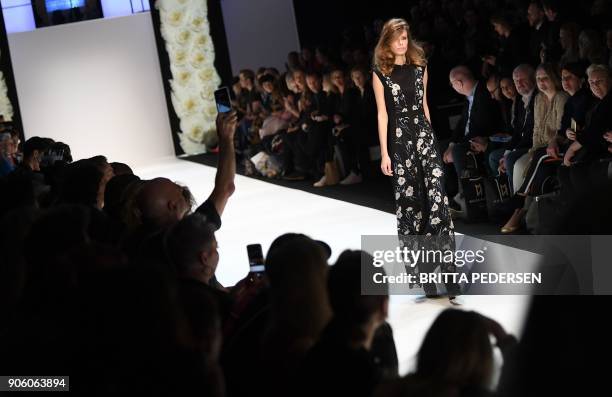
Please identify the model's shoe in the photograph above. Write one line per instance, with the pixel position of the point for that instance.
(321, 182)
(352, 179)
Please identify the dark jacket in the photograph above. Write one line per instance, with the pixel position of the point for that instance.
(522, 124)
(577, 107)
(591, 138)
(485, 118)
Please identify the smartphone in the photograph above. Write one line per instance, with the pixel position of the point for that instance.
(222, 99)
(256, 258)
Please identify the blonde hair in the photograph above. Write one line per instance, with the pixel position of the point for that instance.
(384, 58)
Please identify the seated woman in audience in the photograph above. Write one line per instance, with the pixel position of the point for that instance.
(505, 104)
(578, 106)
(548, 111)
(455, 358)
(583, 168)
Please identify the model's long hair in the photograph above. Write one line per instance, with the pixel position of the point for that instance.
(384, 57)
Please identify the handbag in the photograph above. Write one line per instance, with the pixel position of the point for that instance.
(498, 197)
(475, 199)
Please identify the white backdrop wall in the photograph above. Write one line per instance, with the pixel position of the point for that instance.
(95, 85)
(259, 33)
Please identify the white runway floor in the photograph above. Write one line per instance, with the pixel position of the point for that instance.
(258, 212)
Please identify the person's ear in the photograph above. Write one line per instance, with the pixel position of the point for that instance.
(204, 257)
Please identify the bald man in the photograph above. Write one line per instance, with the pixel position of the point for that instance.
(160, 203)
(481, 118)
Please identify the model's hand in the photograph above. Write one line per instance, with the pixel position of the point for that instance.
(570, 134)
(608, 136)
(385, 165)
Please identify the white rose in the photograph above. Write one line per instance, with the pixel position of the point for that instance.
(409, 191)
(434, 207)
(400, 171)
(401, 180)
(398, 132)
(437, 172)
(408, 163)
(435, 221)
(416, 120)
(183, 37)
(437, 198)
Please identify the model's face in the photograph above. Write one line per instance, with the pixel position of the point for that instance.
(498, 28)
(544, 82)
(399, 45)
(600, 84)
(507, 88)
(571, 84)
(522, 82)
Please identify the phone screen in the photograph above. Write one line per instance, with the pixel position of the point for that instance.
(256, 258)
(222, 98)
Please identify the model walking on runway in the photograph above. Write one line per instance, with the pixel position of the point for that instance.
(407, 143)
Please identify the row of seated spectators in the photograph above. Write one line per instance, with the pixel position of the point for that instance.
(110, 279)
(299, 119)
(532, 82)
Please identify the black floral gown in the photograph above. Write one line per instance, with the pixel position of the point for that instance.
(421, 204)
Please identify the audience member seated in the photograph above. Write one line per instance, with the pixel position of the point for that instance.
(568, 39)
(481, 118)
(346, 119)
(511, 50)
(8, 150)
(586, 160)
(502, 160)
(548, 111)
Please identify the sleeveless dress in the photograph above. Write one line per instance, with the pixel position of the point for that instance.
(421, 203)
